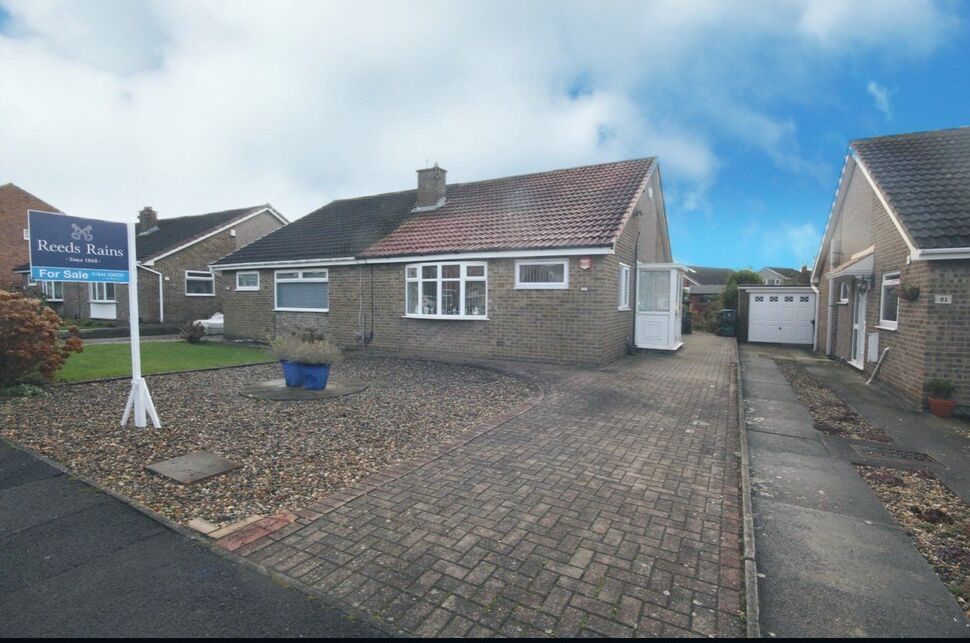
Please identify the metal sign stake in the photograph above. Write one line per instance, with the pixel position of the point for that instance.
(139, 399)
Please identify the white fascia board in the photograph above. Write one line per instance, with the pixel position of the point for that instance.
(461, 256)
(231, 224)
(293, 263)
(939, 254)
(498, 254)
(844, 177)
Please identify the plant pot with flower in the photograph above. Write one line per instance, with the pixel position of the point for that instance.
(316, 357)
(940, 397)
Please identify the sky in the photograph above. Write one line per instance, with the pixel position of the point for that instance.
(107, 106)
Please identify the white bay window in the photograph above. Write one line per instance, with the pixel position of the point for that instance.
(447, 290)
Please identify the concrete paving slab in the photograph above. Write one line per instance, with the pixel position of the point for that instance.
(279, 391)
(43, 500)
(779, 443)
(780, 417)
(815, 482)
(827, 575)
(192, 467)
(776, 391)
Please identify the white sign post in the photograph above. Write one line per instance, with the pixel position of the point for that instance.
(64, 248)
(139, 398)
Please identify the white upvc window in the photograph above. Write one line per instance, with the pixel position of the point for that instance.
(446, 290)
(889, 301)
(623, 302)
(542, 274)
(302, 290)
(844, 292)
(102, 293)
(247, 280)
(53, 290)
(200, 283)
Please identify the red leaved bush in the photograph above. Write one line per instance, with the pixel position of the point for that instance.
(29, 346)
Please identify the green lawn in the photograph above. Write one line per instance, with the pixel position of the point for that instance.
(114, 360)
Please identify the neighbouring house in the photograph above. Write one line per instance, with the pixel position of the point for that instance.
(893, 270)
(705, 286)
(175, 283)
(14, 203)
(539, 267)
(774, 276)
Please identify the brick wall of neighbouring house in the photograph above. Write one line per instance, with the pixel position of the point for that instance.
(948, 339)
(179, 307)
(14, 203)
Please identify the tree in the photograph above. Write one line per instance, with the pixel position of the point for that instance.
(29, 346)
(738, 278)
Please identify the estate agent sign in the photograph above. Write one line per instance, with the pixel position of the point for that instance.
(64, 248)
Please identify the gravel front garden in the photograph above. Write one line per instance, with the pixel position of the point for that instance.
(830, 414)
(937, 520)
(292, 453)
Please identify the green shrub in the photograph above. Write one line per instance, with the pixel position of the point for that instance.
(192, 333)
(21, 390)
(940, 388)
(738, 278)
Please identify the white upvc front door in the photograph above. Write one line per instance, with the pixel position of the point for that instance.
(858, 356)
(659, 306)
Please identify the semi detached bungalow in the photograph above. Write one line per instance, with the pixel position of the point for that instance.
(539, 267)
(893, 271)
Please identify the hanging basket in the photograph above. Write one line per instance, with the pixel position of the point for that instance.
(908, 292)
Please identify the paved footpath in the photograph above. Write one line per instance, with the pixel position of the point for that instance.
(75, 562)
(832, 561)
(609, 508)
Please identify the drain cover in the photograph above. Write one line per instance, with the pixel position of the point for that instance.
(868, 451)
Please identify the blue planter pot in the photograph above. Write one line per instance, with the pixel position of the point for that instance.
(292, 372)
(315, 376)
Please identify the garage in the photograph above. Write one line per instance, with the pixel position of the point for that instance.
(784, 315)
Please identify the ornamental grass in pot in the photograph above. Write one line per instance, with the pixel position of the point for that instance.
(316, 357)
(939, 394)
(286, 348)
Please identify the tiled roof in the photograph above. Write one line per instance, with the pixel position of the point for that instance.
(339, 229)
(787, 273)
(925, 177)
(577, 207)
(178, 231)
(706, 276)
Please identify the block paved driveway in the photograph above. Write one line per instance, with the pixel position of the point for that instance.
(609, 508)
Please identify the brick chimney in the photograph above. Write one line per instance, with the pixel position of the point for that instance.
(147, 220)
(431, 188)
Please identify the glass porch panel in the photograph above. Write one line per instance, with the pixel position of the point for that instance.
(653, 291)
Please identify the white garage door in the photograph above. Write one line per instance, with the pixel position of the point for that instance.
(781, 318)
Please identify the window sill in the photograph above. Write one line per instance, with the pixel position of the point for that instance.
(883, 327)
(842, 302)
(541, 286)
(301, 310)
(448, 317)
(624, 309)
(246, 289)
(199, 294)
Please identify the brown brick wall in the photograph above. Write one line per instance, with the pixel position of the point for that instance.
(545, 325)
(948, 339)
(14, 203)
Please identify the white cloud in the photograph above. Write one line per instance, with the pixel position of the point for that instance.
(106, 106)
(880, 97)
